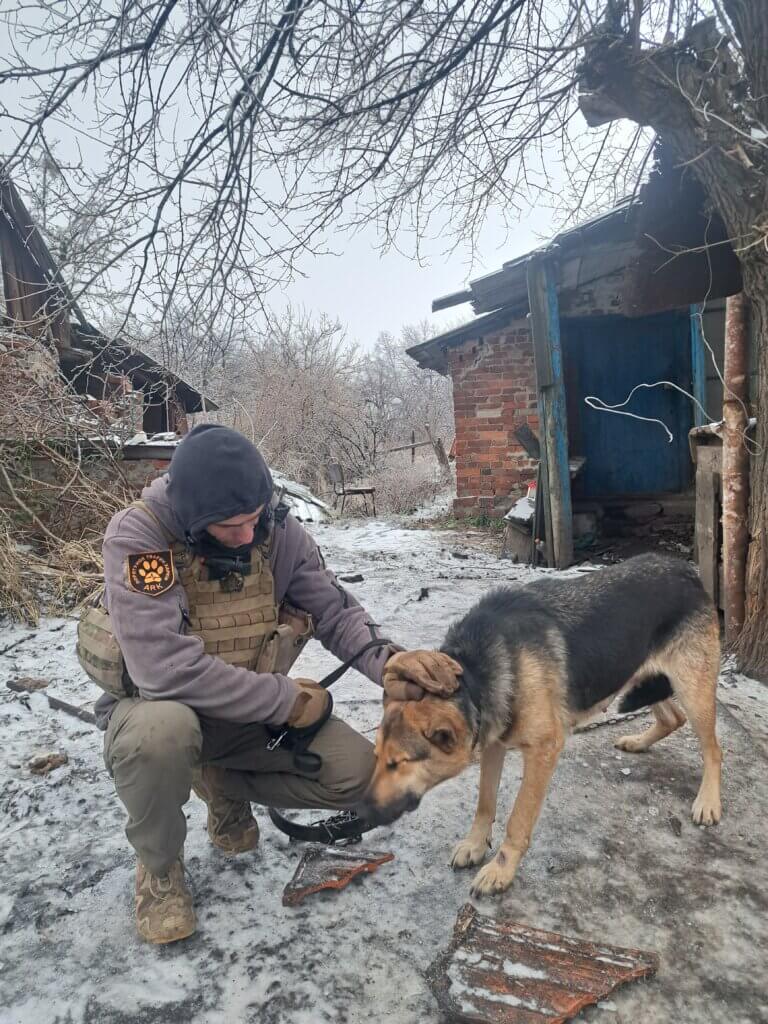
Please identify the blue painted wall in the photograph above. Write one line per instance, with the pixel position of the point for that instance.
(607, 357)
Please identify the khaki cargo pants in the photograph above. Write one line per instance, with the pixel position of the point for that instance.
(152, 749)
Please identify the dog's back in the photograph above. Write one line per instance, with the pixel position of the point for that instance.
(600, 628)
(532, 659)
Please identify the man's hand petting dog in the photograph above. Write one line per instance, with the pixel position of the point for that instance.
(409, 675)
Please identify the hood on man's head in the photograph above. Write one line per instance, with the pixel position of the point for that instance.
(216, 473)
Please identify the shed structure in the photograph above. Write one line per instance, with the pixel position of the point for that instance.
(630, 303)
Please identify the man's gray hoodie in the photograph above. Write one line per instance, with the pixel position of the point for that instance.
(166, 663)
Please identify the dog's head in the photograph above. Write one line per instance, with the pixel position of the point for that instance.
(420, 743)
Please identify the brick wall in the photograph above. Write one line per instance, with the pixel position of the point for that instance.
(494, 392)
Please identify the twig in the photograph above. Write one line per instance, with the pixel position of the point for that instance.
(16, 643)
(25, 508)
(58, 705)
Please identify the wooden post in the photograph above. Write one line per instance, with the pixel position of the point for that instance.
(698, 365)
(413, 446)
(735, 464)
(555, 476)
(439, 449)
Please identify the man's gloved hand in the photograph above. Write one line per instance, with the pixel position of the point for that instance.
(408, 675)
(311, 705)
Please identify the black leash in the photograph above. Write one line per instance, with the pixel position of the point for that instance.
(298, 740)
(345, 826)
(337, 673)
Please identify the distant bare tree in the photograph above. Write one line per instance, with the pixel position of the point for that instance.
(288, 389)
(308, 397)
(401, 397)
(82, 241)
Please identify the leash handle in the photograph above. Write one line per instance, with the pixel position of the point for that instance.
(304, 759)
(337, 673)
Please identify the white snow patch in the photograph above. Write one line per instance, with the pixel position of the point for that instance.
(517, 970)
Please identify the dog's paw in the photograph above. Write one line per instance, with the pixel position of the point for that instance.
(632, 744)
(706, 810)
(470, 851)
(494, 878)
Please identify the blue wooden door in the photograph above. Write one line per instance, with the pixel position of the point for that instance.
(606, 357)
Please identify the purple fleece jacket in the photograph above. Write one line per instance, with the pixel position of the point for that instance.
(166, 663)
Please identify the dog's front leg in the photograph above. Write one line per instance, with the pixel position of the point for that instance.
(473, 849)
(539, 762)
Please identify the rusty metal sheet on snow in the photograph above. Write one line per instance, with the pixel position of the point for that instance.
(330, 867)
(501, 972)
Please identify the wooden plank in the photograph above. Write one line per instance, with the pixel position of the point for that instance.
(437, 444)
(529, 441)
(540, 325)
(707, 518)
(32, 243)
(556, 479)
(698, 366)
(406, 447)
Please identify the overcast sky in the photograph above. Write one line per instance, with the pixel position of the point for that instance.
(366, 290)
(372, 293)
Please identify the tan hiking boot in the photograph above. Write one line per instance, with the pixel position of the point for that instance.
(164, 911)
(231, 824)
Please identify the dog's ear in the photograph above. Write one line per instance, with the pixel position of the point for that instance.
(443, 737)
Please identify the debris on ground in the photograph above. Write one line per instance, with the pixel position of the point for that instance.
(357, 578)
(43, 764)
(507, 973)
(423, 594)
(66, 857)
(30, 684)
(304, 505)
(325, 867)
(56, 704)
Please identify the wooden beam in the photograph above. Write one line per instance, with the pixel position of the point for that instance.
(440, 455)
(556, 479)
(698, 366)
(406, 447)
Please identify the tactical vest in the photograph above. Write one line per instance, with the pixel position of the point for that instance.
(237, 618)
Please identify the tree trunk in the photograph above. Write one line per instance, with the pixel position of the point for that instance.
(752, 646)
(691, 94)
(735, 464)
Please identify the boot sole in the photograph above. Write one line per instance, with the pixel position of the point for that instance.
(181, 934)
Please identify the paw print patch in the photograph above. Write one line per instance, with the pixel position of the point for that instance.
(151, 572)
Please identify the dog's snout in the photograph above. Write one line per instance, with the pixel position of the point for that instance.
(383, 814)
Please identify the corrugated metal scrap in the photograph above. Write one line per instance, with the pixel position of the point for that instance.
(501, 972)
(324, 867)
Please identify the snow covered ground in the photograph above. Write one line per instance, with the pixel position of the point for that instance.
(614, 858)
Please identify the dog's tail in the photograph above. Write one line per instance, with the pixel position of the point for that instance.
(650, 691)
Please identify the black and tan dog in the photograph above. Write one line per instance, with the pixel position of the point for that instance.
(537, 660)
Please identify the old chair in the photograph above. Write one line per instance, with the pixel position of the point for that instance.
(340, 489)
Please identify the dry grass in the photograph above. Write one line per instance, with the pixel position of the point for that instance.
(402, 487)
(60, 484)
(44, 581)
(18, 599)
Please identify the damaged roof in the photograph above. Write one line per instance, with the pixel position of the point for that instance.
(33, 286)
(507, 287)
(660, 250)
